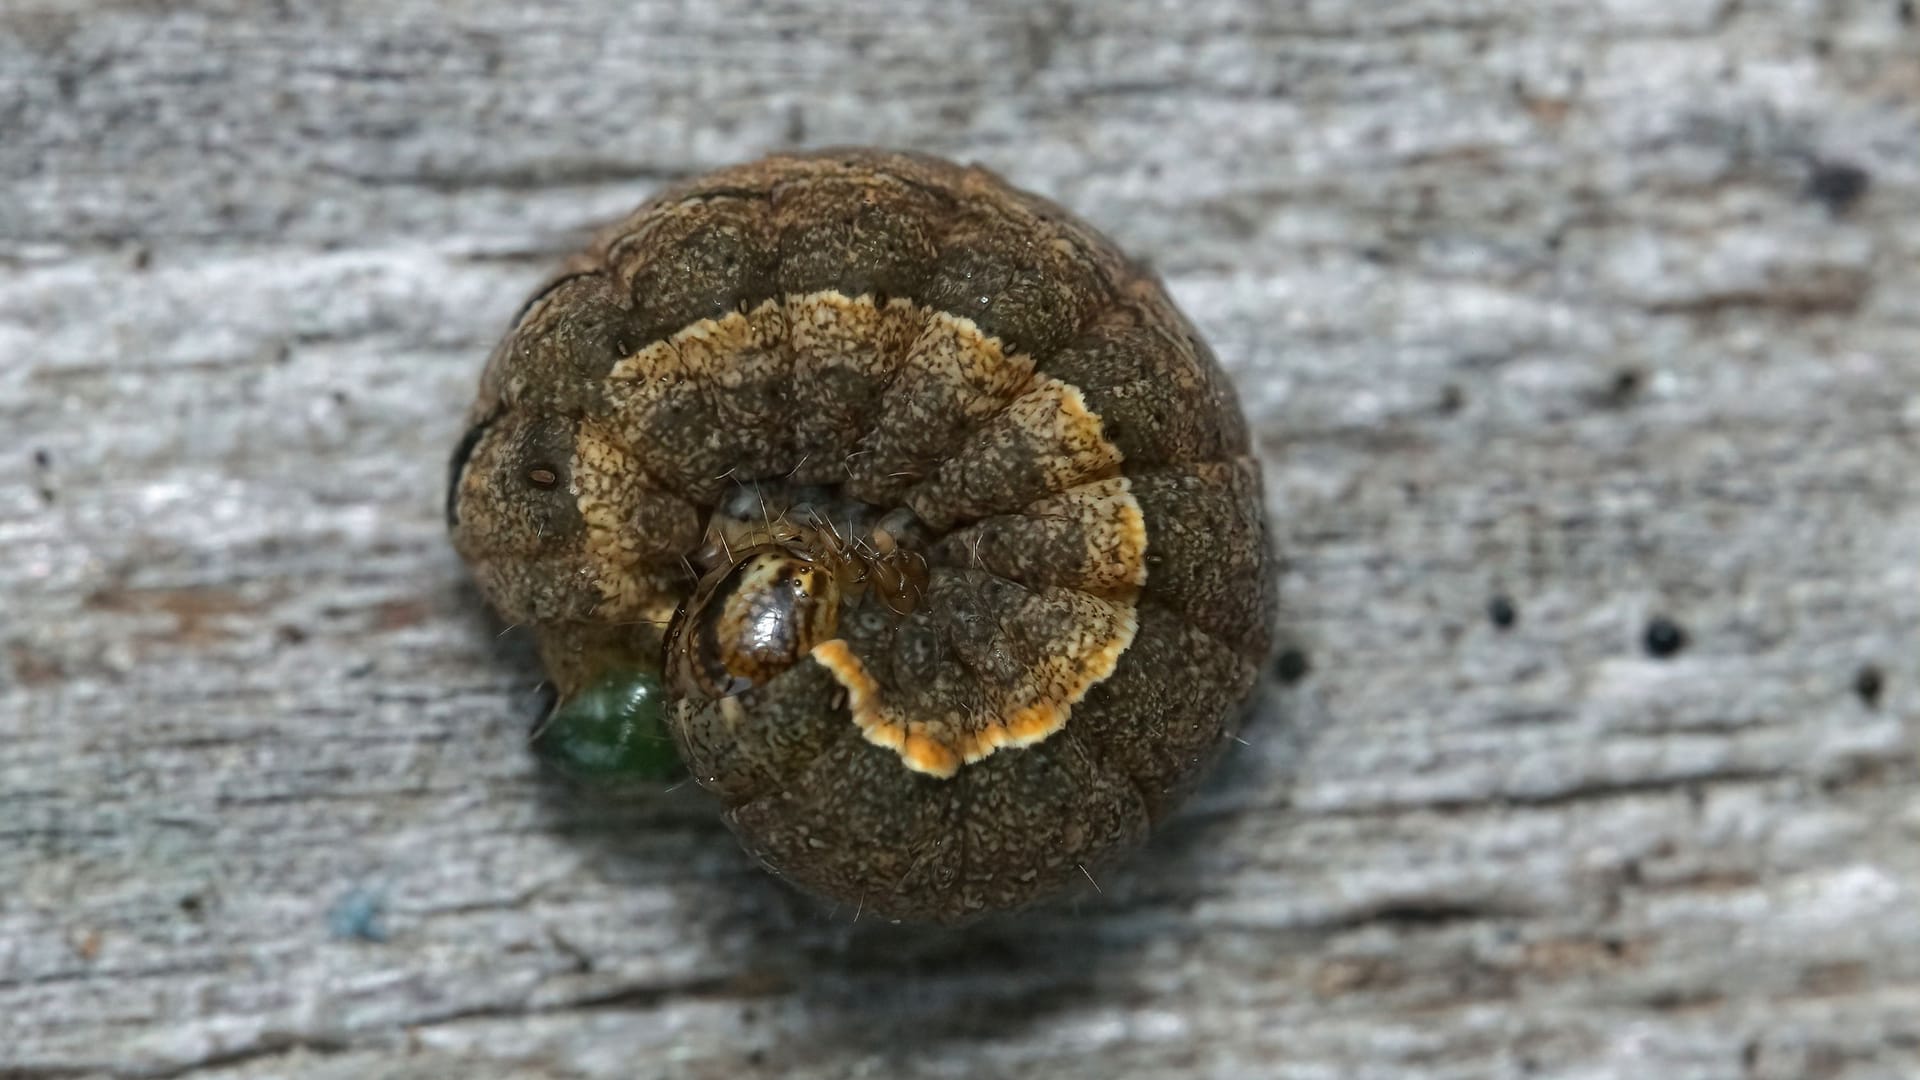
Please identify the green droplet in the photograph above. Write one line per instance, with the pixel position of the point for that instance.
(612, 731)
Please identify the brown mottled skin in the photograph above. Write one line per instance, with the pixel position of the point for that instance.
(600, 449)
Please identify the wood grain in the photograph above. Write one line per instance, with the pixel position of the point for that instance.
(1609, 311)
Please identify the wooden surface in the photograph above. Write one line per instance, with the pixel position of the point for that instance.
(1610, 309)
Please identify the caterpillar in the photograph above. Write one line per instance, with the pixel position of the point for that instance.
(910, 509)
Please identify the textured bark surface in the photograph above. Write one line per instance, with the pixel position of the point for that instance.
(1568, 315)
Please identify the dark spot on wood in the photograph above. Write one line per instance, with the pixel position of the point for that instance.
(1837, 185)
(1418, 914)
(141, 259)
(1676, 1000)
(1452, 399)
(1501, 612)
(191, 904)
(1904, 11)
(1625, 387)
(582, 960)
(1868, 682)
(1291, 666)
(1663, 637)
(42, 458)
(289, 634)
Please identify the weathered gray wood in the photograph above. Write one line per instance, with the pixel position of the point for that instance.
(1568, 301)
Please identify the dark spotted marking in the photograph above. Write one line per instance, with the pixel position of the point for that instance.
(1663, 638)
